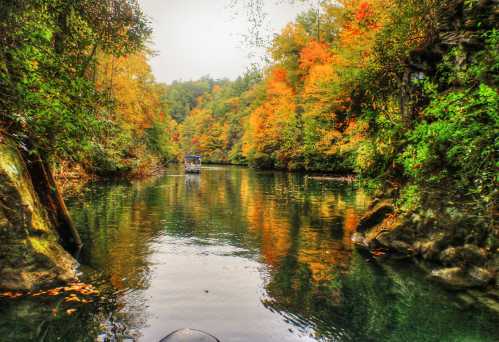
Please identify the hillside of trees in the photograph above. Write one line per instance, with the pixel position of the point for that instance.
(369, 87)
(403, 94)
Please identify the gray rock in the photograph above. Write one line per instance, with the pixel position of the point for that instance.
(430, 248)
(480, 276)
(459, 278)
(463, 255)
(453, 277)
(401, 247)
(359, 240)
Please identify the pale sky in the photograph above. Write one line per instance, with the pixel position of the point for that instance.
(199, 37)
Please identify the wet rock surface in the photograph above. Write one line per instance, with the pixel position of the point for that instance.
(462, 255)
(454, 262)
(458, 278)
(30, 255)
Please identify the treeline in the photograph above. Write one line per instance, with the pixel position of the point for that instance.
(402, 91)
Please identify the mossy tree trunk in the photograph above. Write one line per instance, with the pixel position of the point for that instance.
(50, 195)
(31, 256)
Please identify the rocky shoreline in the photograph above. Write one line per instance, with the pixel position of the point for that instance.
(457, 264)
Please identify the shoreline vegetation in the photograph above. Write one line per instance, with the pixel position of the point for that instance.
(401, 94)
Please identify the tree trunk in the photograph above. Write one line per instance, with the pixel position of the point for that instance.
(49, 194)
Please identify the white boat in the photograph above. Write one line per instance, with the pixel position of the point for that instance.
(192, 164)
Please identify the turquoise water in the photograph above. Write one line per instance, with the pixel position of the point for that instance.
(245, 255)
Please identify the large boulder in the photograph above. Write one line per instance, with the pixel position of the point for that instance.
(30, 255)
(430, 248)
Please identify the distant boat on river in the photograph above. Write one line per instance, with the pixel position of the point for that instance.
(192, 164)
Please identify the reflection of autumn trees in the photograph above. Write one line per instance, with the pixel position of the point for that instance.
(300, 229)
(269, 212)
(117, 226)
(282, 219)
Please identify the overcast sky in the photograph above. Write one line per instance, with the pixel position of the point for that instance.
(199, 37)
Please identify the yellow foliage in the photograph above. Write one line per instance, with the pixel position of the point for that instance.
(130, 82)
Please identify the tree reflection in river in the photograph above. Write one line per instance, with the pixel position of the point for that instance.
(246, 255)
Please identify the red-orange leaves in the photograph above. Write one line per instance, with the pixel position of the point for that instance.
(314, 53)
(277, 84)
(279, 75)
(363, 12)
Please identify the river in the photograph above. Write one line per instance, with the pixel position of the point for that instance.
(242, 254)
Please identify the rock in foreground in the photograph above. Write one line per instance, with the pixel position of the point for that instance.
(30, 254)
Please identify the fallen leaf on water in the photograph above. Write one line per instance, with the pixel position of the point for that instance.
(72, 298)
(54, 292)
(378, 253)
(70, 311)
(11, 294)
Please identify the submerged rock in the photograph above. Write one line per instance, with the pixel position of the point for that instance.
(430, 248)
(489, 299)
(30, 255)
(463, 255)
(458, 278)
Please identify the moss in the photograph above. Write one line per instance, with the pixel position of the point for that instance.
(40, 245)
(16, 183)
(31, 256)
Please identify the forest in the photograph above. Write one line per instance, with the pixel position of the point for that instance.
(366, 87)
(400, 95)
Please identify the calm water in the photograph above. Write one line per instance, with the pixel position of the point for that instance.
(244, 255)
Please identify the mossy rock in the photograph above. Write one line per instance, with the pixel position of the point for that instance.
(30, 255)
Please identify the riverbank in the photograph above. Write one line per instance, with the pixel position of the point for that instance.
(269, 251)
(73, 178)
(448, 246)
(32, 230)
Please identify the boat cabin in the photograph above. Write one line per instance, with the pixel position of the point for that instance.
(192, 164)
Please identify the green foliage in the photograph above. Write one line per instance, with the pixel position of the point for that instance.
(456, 141)
(181, 97)
(215, 126)
(160, 142)
(47, 50)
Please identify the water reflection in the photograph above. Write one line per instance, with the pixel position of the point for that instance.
(245, 255)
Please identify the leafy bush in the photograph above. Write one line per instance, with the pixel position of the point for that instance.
(456, 141)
